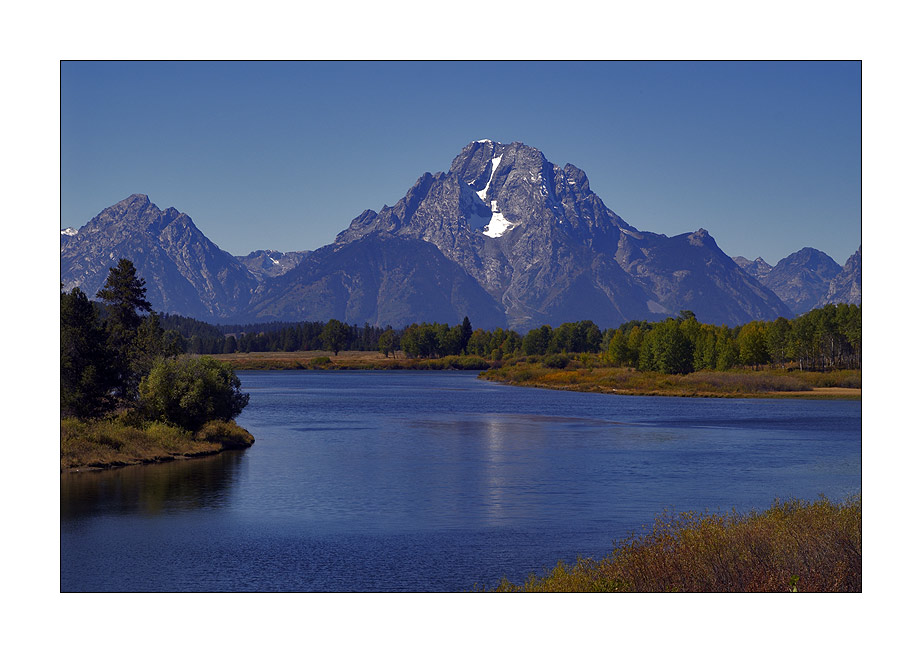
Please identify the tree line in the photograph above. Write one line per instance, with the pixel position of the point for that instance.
(202, 338)
(822, 339)
(116, 357)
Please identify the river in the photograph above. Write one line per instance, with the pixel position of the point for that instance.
(438, 481)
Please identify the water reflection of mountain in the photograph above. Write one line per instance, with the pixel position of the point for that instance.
(152, 489)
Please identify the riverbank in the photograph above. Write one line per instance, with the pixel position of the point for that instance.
(576, 375)
(793, 546)
(346, 360)
(706, 383)
(119, 441)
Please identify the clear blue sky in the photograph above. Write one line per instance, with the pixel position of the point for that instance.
(764, 155)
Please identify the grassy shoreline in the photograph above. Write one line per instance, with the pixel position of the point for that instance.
(120, 441)
(578, 376)
(346, 360)
(792, 546)
(749, 384)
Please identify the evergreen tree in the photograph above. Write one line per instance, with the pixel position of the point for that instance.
(466, 332)
(86, 375)
(124, 295)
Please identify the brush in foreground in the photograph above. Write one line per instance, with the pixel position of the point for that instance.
(793, 546)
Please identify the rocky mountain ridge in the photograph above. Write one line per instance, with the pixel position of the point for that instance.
(504, 236)
(268, 263)
(546, 247)
(185, 272)
(809, 278)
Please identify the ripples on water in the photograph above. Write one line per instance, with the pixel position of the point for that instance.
(437, 481)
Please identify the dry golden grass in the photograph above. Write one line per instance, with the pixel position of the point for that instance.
(126, 441)
(793, 546)
(706, 383)
(346, 360)
(304, 356)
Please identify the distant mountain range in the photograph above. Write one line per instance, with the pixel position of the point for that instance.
(809, 279)
(505, 237)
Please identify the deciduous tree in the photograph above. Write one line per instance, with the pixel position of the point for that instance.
(191, 392)
(335, 336)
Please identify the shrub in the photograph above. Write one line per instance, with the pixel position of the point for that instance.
(467, 363)
(557, 361)
(851, 381)
(225, 433)
(191, 392)
(813, 547)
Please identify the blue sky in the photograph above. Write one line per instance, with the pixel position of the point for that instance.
(764, 155)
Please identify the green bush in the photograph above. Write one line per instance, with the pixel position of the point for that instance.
(191, 392)
(467, 363)
(557, 361)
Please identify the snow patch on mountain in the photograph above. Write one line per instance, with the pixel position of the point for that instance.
(482, 194)
(498, 225)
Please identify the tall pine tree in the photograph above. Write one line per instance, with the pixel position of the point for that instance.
(124, 295)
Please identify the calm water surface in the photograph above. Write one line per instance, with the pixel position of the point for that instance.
(437, 481)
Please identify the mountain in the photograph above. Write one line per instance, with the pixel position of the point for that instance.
(185, 272)
(802, 279)
(548, 250)
(757, 268)
(266, 263)
(845, 288)
(67, 235)
(504, 236)
(380, 279)
(808, 278)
